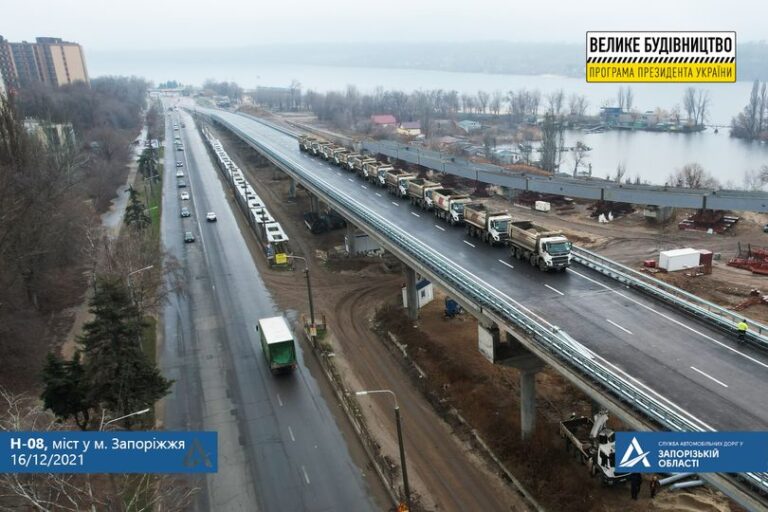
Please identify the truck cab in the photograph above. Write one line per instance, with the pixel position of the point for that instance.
(556, 251)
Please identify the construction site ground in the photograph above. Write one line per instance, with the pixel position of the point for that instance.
(359, 298)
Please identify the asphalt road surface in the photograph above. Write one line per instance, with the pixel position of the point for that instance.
(280, 448)
(689, 364)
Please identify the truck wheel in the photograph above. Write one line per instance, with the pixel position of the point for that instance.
(542, 265)
(532, 260)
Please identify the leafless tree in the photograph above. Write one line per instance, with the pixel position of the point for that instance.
(49, 492)
(621, 171)
(621, 99)
(696, 105)
(555, 102)
(577, 105)
(482, 100)
(692, 175)
(495, 104)
(579, 153)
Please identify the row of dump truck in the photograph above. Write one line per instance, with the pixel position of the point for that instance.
(270, 234)
(545, 249)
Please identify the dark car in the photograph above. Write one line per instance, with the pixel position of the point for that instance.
(182, 184)
(189, 237)
(185, 212)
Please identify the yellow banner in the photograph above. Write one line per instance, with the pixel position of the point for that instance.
(661, 72)
(281, 258)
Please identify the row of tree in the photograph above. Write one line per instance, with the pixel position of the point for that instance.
(50, 199)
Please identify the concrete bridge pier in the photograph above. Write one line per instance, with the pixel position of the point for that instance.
(510, 352)
(314, 204)
(292, 189)
(350, 239)
(411, 293)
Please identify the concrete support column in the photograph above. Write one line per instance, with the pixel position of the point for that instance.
(351, 232)
(513, 353)
(527, 402)
(292, 189)
(314, 204)
(411, 293)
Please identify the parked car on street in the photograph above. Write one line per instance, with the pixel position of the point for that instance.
(179, 174)
(182, 183)
(210, 217)
(185, 196)
(185, 212)
(189, 237)
(179, 164)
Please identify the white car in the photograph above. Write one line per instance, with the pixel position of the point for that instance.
(185, 196)
(210, 217)
(179, 173)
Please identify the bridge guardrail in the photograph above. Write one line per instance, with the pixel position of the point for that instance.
(547, 339)
(704, 309)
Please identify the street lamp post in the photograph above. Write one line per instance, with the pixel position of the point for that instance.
(312, 329)
(103, 412)
(406, 488)
(128, 278)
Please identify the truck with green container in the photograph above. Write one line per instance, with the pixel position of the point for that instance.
(277, 343)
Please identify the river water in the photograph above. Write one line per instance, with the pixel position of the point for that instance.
(652, 156)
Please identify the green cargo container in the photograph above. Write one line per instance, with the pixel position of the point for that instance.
(277, 344)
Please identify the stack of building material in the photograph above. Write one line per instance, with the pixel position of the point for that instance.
(755, 259)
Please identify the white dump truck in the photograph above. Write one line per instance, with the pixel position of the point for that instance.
(490, 226)
(548, 250)
(397, 181)
(449, 205)
(420, 192)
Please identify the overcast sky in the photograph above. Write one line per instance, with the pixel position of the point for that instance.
(140, 24)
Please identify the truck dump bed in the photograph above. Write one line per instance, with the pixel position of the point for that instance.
(478, 213)
(417, 186)
(526, 232)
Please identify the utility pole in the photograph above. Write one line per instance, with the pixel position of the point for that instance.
(403, 468)
(312, 328)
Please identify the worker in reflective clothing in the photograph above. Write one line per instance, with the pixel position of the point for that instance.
(742, 327)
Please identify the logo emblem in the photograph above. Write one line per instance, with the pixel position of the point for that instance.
(628, 461)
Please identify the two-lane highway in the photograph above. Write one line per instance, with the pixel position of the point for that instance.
(689, 364)
(280, 446)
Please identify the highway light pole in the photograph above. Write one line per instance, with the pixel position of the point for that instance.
(312, 329)
(128, 278)
(406, 488)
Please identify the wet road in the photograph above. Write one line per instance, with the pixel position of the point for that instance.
(280, 448)
(685, 362)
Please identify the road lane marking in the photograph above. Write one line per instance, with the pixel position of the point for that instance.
(279, 400)
(554, 289)
(338, 173)
(544, 321)
(394, 203)
(364, 187)
(350, 179)
(290, 432)
(378, 194)
(441, 228)
(468, 243)
(306, 476)
(681, 324)
(709, 376)
(617, 325)
(505, 263)
(415, 214)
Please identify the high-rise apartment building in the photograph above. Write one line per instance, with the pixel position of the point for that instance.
(48, 60)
